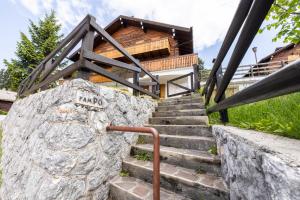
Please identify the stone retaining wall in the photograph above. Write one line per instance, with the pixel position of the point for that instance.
(257, 165)
(55, 145)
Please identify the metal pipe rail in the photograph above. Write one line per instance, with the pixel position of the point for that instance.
(156, 153)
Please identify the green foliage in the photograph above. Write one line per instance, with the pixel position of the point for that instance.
(3, 78)
(3, 112)
(285, 15)
(44, 37)
(124, 173)
(200, 171)
(143, 155)
(279, 116)
(213, 150)
(141, 139)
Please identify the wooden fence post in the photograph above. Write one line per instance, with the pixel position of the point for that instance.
(136, 82)
(223, 113)
(196, 77)
(87, 44)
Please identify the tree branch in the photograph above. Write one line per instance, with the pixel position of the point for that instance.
(281, 7)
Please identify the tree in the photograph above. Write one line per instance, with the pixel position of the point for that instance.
(285, 15)
(3, 78)
(44, 37)
(204, 73)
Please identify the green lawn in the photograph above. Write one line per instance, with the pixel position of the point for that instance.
(280, 115)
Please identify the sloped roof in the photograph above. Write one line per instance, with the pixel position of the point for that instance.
(277, 51)
(183, 35)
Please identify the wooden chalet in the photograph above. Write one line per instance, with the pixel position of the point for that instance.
(163, 49)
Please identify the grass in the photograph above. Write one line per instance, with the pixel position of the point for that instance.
(141, 139)
(213, 150)
(124, 173)
(143, 155)
(278, 116)
(200, 171)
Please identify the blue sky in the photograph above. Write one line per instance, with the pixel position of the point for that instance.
(209, 27)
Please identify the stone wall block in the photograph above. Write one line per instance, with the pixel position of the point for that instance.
(55, 143)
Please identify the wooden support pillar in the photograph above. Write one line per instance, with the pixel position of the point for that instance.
(196, 78)
(157, 91)
(136, 76)
(87, 44)
(223, 113)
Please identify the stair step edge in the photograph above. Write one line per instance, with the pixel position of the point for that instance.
(206, 157)
(193, 180)
(130, 186)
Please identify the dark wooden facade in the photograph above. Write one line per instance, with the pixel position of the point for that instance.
(156, 45)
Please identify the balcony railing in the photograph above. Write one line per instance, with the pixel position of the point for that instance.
(159, 45)
(171, 62)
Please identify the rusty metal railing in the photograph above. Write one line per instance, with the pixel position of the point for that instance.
(156, 159)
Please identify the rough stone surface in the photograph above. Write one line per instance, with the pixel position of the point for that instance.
(257, 165)
(56, 148)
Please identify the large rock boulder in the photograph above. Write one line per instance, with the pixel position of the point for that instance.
(55, 145)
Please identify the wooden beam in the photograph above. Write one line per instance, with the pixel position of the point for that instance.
(114, 77)
(65, 52)
(107, 61)
(115, 44)
(180, 86)
(284, 81)
(65, 72)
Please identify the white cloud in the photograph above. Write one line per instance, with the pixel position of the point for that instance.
(210, 18)
(31, 5)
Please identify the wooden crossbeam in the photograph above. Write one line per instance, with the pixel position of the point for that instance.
(65, 72)
(107, 61)
(114, 77)
(115, 44)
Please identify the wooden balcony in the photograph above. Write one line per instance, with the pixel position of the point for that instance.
(162, 46)
(171, 62)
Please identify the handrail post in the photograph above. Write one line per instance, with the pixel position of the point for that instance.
(196, 77)
(156, 152)
(223, 113)
(136, 82)
(157, 89)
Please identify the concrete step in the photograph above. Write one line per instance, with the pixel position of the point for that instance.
(182, 141)
(188, 158)
(185, 182)
(180, 107)
(192, 112)
(195, 130)
(180, 101)
(181, 120)
(130, 188)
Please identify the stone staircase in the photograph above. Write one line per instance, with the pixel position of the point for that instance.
(188, 169)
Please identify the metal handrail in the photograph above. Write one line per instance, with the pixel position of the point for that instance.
(156, 153)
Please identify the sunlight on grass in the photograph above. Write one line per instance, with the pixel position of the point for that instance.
(279, 116)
